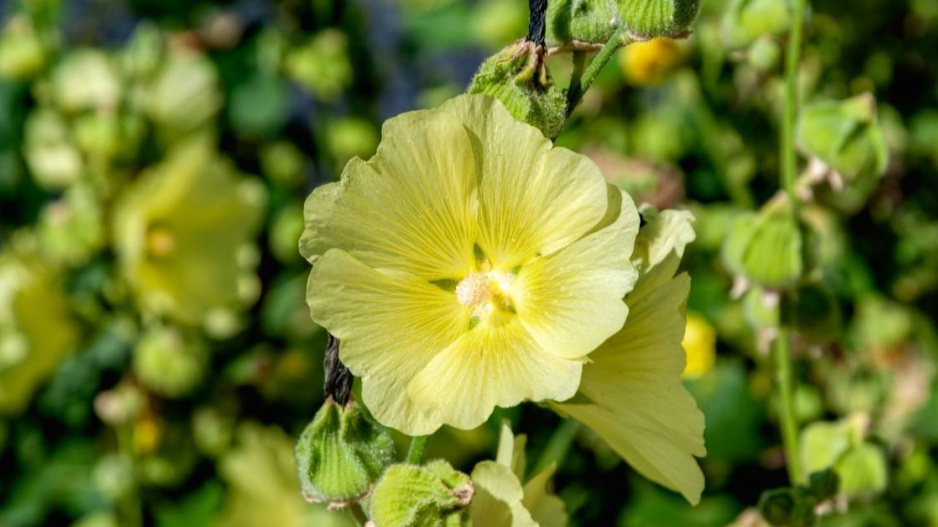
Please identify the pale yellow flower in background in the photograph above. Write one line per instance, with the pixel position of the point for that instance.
(700, 344)
(184, 233)
(469, 264)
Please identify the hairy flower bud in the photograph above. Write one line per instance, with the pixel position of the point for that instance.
(341, 454)
(767, 248)
(595, 21)
(648, 19)
(434, 495)
(846, 136)
(518, 77)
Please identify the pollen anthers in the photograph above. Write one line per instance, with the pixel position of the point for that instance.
(486, 291)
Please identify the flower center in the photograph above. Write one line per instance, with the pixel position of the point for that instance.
(485, 292)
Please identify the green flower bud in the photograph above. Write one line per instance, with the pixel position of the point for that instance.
(823, 485)
(213, 429)
(168, 363)
(71, 229)
(591, 21)
(341, 454)
(518, 77)
(814, 312)
(184, 95)
(748, 20)
(113, 476)
(767, 248)
(284, 163)
(765, 54)
(86, 80)
(647, 19)
(777, 506)
(143, 53)
(595, 21)
(435, 495)
(22, 54)
(352, 137)
(845, 135)
(322, 65)
(285, 231)
(53, 160)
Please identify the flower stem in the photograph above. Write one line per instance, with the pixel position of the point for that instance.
(356, 511)
(418, 446)
(579, 85)
(558, 446)
(784, 377)
(793, 60)
(785, 385)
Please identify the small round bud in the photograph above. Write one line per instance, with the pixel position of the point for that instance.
(647, 19)
(846, 136)
(341, 454)
(824, 485)
(518, 77)
(169, 364)
(767, 248)
(22, 54)
(433, 495)
(777, 506)
(120, 405)
(765, 54)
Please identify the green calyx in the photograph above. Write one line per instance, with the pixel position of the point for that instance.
(341, 454)
(518, 77)
(595, 21)
(846, 136)
(434, 495)
(767, 248)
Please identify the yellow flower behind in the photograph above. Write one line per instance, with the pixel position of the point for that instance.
(700, 341)
(182, 233)
(649, 63)
(469, 264)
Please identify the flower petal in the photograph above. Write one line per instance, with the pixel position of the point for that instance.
(534, 199)
(390, 326)
(410, 208)
(632, 393)
(571, 300)
(494, 364)
(498, 498)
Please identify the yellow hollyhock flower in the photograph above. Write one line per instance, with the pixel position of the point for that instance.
(184, 234)
(631, 392)
(469, 264)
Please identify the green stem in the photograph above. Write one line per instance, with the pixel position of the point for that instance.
(418, 446)
(793, 60)
(786, 394)
(583, 82)
(558, 446)
(358, 513)
(784, 377)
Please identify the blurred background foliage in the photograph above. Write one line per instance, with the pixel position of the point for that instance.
(157, 360)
